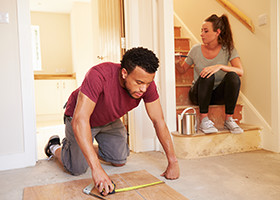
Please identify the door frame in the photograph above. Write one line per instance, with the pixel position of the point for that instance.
(28, 156)
(161, 41)
(272, 141)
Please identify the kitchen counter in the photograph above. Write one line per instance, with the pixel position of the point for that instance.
(54, 76)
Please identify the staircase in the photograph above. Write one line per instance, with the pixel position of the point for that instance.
(201, 145)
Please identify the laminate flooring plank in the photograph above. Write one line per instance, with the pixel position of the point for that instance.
(73, 190)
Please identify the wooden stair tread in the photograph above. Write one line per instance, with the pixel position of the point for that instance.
(181, 50)
(216, 144)
(181, 38)
(183, 84)
(245, 127)
(196, 106)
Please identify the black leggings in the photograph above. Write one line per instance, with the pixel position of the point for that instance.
(226, 93)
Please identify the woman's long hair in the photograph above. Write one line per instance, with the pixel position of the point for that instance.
(225, 37)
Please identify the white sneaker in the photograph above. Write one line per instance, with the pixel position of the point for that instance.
(207, 126)
(232, 126)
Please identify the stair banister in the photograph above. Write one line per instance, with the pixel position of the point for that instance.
(238, 14)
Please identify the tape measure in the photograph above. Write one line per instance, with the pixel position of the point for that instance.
(88, 189)
(137, 187)
(131, 188)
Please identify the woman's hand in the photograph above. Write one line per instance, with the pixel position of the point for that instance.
(180, 64)
(179, 59)
(209, 71)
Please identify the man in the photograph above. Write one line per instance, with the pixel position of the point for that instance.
(108, 91)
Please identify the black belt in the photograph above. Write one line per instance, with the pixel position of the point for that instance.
(67, 116)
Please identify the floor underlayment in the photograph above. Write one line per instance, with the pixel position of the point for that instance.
(251, 175)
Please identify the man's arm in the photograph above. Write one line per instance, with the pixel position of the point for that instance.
(155, 113)
(82, 130)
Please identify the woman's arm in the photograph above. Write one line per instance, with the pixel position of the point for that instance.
(181, 65)
(236, 67)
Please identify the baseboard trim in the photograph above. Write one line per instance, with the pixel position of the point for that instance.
(251, 115)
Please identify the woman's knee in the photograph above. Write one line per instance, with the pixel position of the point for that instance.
(208, 80)
(233, 78)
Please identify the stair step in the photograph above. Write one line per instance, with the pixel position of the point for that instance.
(216, 144)
(216, 114)
(182, 44)
(186, 77)
(177, 31)
(184, 52)
(182, 95)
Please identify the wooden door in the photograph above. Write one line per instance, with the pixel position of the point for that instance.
(111, 33)
(111, 30)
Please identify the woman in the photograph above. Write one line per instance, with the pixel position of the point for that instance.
(215, 82)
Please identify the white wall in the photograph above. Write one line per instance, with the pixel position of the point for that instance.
(17, 117)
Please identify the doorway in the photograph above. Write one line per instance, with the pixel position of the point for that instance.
(63, 74)
(56, 80)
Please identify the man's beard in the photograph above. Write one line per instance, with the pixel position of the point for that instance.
(129, 91)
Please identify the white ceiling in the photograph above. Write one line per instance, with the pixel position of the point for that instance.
(59, 6)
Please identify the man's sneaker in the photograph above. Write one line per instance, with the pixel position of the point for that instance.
(232, 126)
(207, 126)
(52, 141)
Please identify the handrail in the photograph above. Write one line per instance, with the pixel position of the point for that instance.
(193, 38)
(238, 14)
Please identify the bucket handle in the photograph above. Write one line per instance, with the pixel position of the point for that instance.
(184, 111)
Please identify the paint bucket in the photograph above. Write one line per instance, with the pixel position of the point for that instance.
(187, 122)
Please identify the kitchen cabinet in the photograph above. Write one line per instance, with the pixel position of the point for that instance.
(50, 97)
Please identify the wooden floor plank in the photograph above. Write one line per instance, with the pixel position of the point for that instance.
(73, 189)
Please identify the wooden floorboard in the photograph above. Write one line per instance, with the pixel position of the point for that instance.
(74, 189)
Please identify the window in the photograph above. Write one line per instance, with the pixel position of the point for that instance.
(36, 49)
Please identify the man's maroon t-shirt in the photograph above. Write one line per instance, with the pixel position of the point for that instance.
(102, 86)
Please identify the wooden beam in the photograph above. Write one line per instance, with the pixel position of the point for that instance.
(238, 14)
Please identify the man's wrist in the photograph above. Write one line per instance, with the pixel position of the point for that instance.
(172, 160)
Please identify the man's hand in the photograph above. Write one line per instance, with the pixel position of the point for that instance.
(102, 181)
(155, 113)
(172, 172)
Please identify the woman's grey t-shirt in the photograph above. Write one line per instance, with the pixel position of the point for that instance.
(196, 57)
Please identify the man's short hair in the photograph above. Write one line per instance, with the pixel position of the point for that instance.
(141, 57)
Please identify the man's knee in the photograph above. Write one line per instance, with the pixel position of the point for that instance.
(118, 164)
(72, 158)
(76, 168)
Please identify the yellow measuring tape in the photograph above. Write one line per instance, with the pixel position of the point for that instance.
(137, 187)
